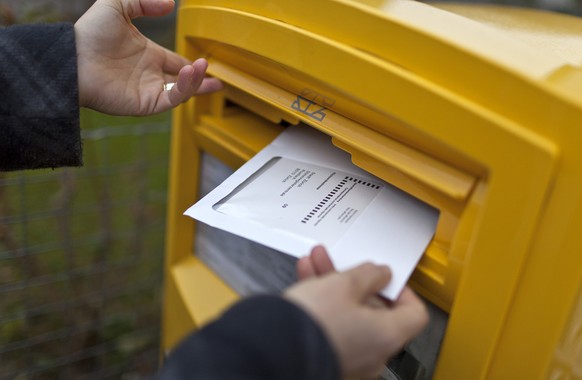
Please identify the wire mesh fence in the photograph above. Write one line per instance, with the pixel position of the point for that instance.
(81, 256)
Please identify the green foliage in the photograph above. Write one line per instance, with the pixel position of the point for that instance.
(45, 13)
(81, 255)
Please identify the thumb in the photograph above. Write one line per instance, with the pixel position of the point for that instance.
(368, 279)
(139, 8)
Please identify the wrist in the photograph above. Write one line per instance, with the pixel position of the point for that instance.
(80, 64)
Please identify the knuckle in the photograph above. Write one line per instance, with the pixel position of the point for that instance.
(422, 315)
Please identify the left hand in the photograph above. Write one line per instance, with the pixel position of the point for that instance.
(121, 72)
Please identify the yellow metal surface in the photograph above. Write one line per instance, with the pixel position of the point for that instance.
(471, 109)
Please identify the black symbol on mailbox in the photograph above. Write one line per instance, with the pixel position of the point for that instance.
(309, 108)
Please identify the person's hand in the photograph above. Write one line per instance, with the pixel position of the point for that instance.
(316, 264)
(121, 72)
(364, 334)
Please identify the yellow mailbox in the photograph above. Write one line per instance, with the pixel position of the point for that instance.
(475, 110)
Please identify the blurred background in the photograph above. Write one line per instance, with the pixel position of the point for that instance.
(81, 250)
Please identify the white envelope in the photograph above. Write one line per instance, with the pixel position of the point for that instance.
(301, 191)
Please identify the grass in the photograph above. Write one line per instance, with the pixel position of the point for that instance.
(81, 253)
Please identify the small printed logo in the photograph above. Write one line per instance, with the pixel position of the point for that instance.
(312, 104)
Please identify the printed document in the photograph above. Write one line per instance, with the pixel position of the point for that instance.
(301, 191)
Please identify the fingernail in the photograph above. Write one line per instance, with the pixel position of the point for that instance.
(385, 268)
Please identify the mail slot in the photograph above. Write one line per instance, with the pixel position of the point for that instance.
(473, 109)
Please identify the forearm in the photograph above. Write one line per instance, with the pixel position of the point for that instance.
(39, 107)
(259, 338)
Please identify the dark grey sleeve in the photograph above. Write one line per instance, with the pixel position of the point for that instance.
(260, 338)
(39, 102)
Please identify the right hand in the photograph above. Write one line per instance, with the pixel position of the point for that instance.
(364, 334)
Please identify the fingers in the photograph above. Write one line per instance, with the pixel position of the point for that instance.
(209, 85)
(305, 268)
(191, 81)
(409, 314)
(367, 279)
(173, 62)
(317, 263)
(321, 261)
(139, 8)
(193, 76)
(196, 81)
(183, 89)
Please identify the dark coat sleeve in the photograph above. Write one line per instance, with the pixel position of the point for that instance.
(39, 101)
(260, 338)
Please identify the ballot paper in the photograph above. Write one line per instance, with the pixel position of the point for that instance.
(302, 191)
(249, 268)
